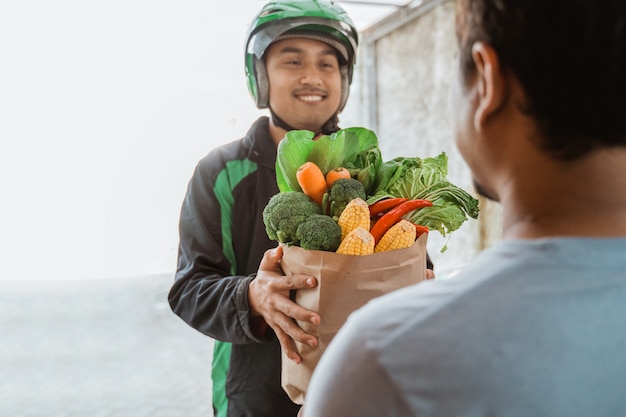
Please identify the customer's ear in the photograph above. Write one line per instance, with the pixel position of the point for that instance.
(491, 83)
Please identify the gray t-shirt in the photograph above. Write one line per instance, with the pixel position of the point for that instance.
(531, 328)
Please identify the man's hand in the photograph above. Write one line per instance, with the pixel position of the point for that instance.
(268, 296)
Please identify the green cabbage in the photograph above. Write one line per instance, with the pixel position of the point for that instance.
(355, 149)
(426, 179)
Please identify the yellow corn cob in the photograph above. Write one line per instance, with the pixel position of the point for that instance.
(399, 236)
(358, 242)
(356, 214)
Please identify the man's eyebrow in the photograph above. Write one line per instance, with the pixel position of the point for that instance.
(292, 49)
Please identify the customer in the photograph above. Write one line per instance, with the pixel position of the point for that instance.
(535, 326)
(299, 61)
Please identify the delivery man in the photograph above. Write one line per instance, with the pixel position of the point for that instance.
(299, 60)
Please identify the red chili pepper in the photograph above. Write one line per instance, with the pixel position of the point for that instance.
(394, 215)
(420, 229)
(384, 205)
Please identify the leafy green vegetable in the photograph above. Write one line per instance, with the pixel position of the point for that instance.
(426, 179)
(357, 150)
(354, 148)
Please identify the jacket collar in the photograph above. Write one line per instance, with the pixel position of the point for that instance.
(259, 142)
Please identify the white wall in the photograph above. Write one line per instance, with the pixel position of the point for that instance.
(105, 107)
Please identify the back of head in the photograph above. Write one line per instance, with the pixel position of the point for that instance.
(322, 20)
(569, 56)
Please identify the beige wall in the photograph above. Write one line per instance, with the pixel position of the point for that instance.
(400, 91)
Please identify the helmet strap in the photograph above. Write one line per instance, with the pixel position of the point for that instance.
(331, 126)
(277, 121)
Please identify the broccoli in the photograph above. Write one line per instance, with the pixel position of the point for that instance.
(319, 232)
(284, 212)
(341, 193)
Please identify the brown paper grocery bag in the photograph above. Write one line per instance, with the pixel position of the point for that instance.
(345, 283)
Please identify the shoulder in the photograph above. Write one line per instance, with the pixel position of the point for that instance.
(245, 148)
(457, 311)
(219, 156)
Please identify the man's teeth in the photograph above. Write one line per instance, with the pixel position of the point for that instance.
(310, 98)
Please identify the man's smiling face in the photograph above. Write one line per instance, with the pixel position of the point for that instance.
(304, 82)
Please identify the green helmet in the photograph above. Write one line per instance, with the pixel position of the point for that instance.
(322, 20)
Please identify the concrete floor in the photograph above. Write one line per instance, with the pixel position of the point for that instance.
(99, 348)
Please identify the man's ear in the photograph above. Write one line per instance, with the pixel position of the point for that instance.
(491, 83)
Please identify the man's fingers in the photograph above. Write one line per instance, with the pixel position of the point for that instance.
(295, 282)
(270, 266)
(286, 345)
(289, 327)
(293, 310)
(271, 258)
(285, 283)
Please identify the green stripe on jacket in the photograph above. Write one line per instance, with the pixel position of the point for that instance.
(234, 172)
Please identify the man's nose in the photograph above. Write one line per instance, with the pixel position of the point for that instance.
(311, 76)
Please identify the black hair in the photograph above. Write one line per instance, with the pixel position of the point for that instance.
(569, 56)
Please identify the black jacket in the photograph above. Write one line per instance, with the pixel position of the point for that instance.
(222, 241)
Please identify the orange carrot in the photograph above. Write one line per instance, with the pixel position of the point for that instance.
(312, 181)
(335, 174)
